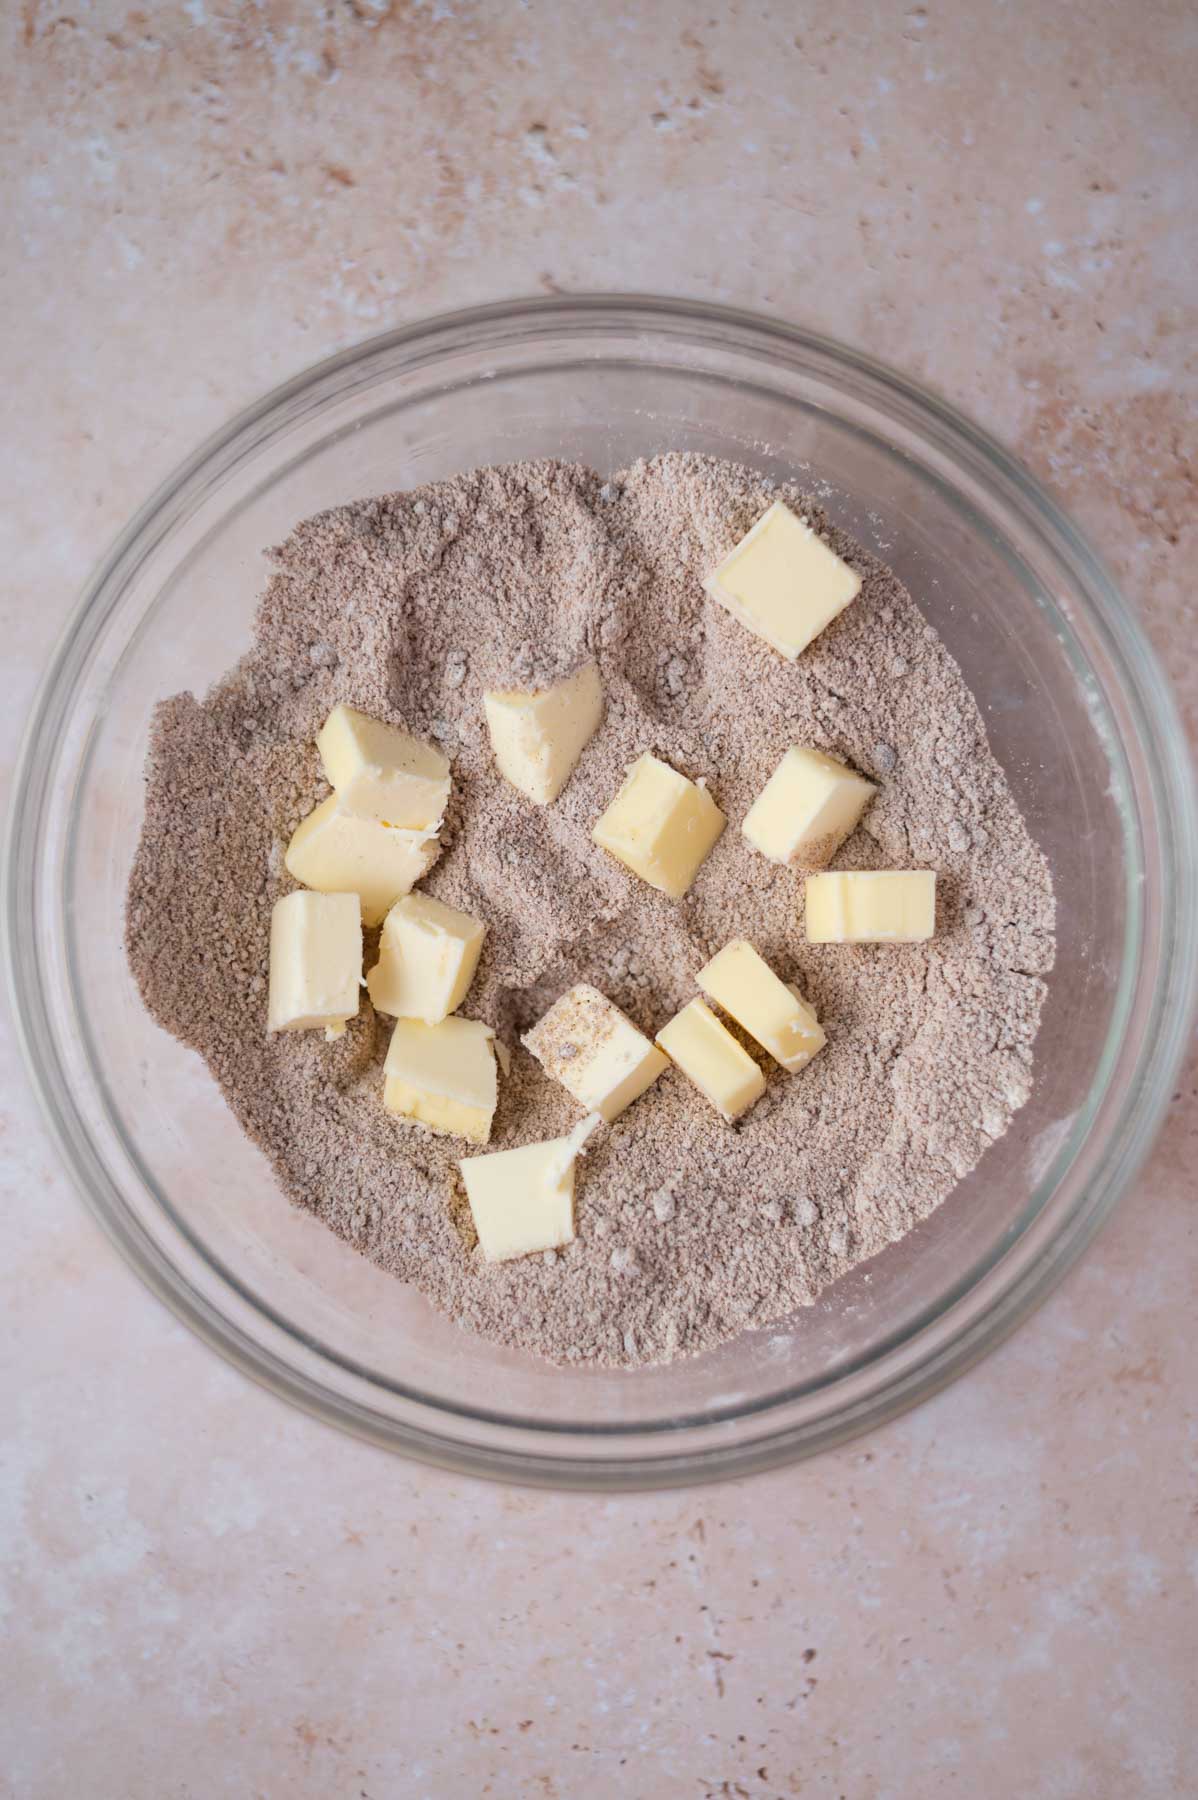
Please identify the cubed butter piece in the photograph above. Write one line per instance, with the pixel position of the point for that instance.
(428, 953)
(538, 737)
(443, 1076)
(315, 962)
(522, 1200)
(340, 853)
(596, 1053)
(806, 809)
(379, 772)
(660, 825)
(783, 582)
(770, 1010)
(870, 906)
(710, 1056)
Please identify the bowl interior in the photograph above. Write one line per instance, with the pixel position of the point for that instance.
(176, 610)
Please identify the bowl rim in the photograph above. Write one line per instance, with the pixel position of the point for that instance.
(1144, 687)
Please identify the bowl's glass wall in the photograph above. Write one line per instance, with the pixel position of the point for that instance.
(198, 1203)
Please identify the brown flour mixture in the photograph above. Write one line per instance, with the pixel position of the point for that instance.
(689, 1230)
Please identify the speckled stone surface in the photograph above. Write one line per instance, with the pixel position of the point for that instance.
(206, 1594)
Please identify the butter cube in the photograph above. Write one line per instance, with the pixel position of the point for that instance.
(379, 772)
(660, 825)
(315, 962)
(771, 1011)
(872, 906)
(806, 809)
(522, 1200)
(538, 737)
(783, 582)
(428, 953)
(443, 1076)
(711, 1057)
(340, 853)
(596, 1053)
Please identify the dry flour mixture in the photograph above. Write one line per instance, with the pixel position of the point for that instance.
(688, 1230)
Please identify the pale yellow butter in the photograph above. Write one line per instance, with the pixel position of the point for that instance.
(538, 737)
(771, 1010)
(783, 582)
(710, 1056)
(522, 1201)
(660, 825)
(596, 1053)
(871, 906)
(315, 962)
(443, 1076)
(380, 772)
(806, 809)
(428, 953)
(339, 853)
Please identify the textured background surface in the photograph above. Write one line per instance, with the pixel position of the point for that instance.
(206, 1594)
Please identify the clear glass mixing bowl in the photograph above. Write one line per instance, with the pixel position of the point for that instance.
(1077, 712)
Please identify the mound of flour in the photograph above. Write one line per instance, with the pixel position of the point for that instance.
(689, 1230)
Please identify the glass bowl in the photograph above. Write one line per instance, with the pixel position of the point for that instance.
(1078, 713)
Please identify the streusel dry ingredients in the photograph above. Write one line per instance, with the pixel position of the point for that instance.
(688, 1229)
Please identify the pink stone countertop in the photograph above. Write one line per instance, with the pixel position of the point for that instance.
(207, 1594)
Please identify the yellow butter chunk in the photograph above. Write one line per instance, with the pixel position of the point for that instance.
(710, 1056)
(596, 1053)
(443, 1076)
(522, 1200)
(771, 1010)
(379, 772)
(871, 906)
(806, 809)
(660, 825)
(315, 962)
(538, 737)
(783, 582)
(339, 853)
(428, 953)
